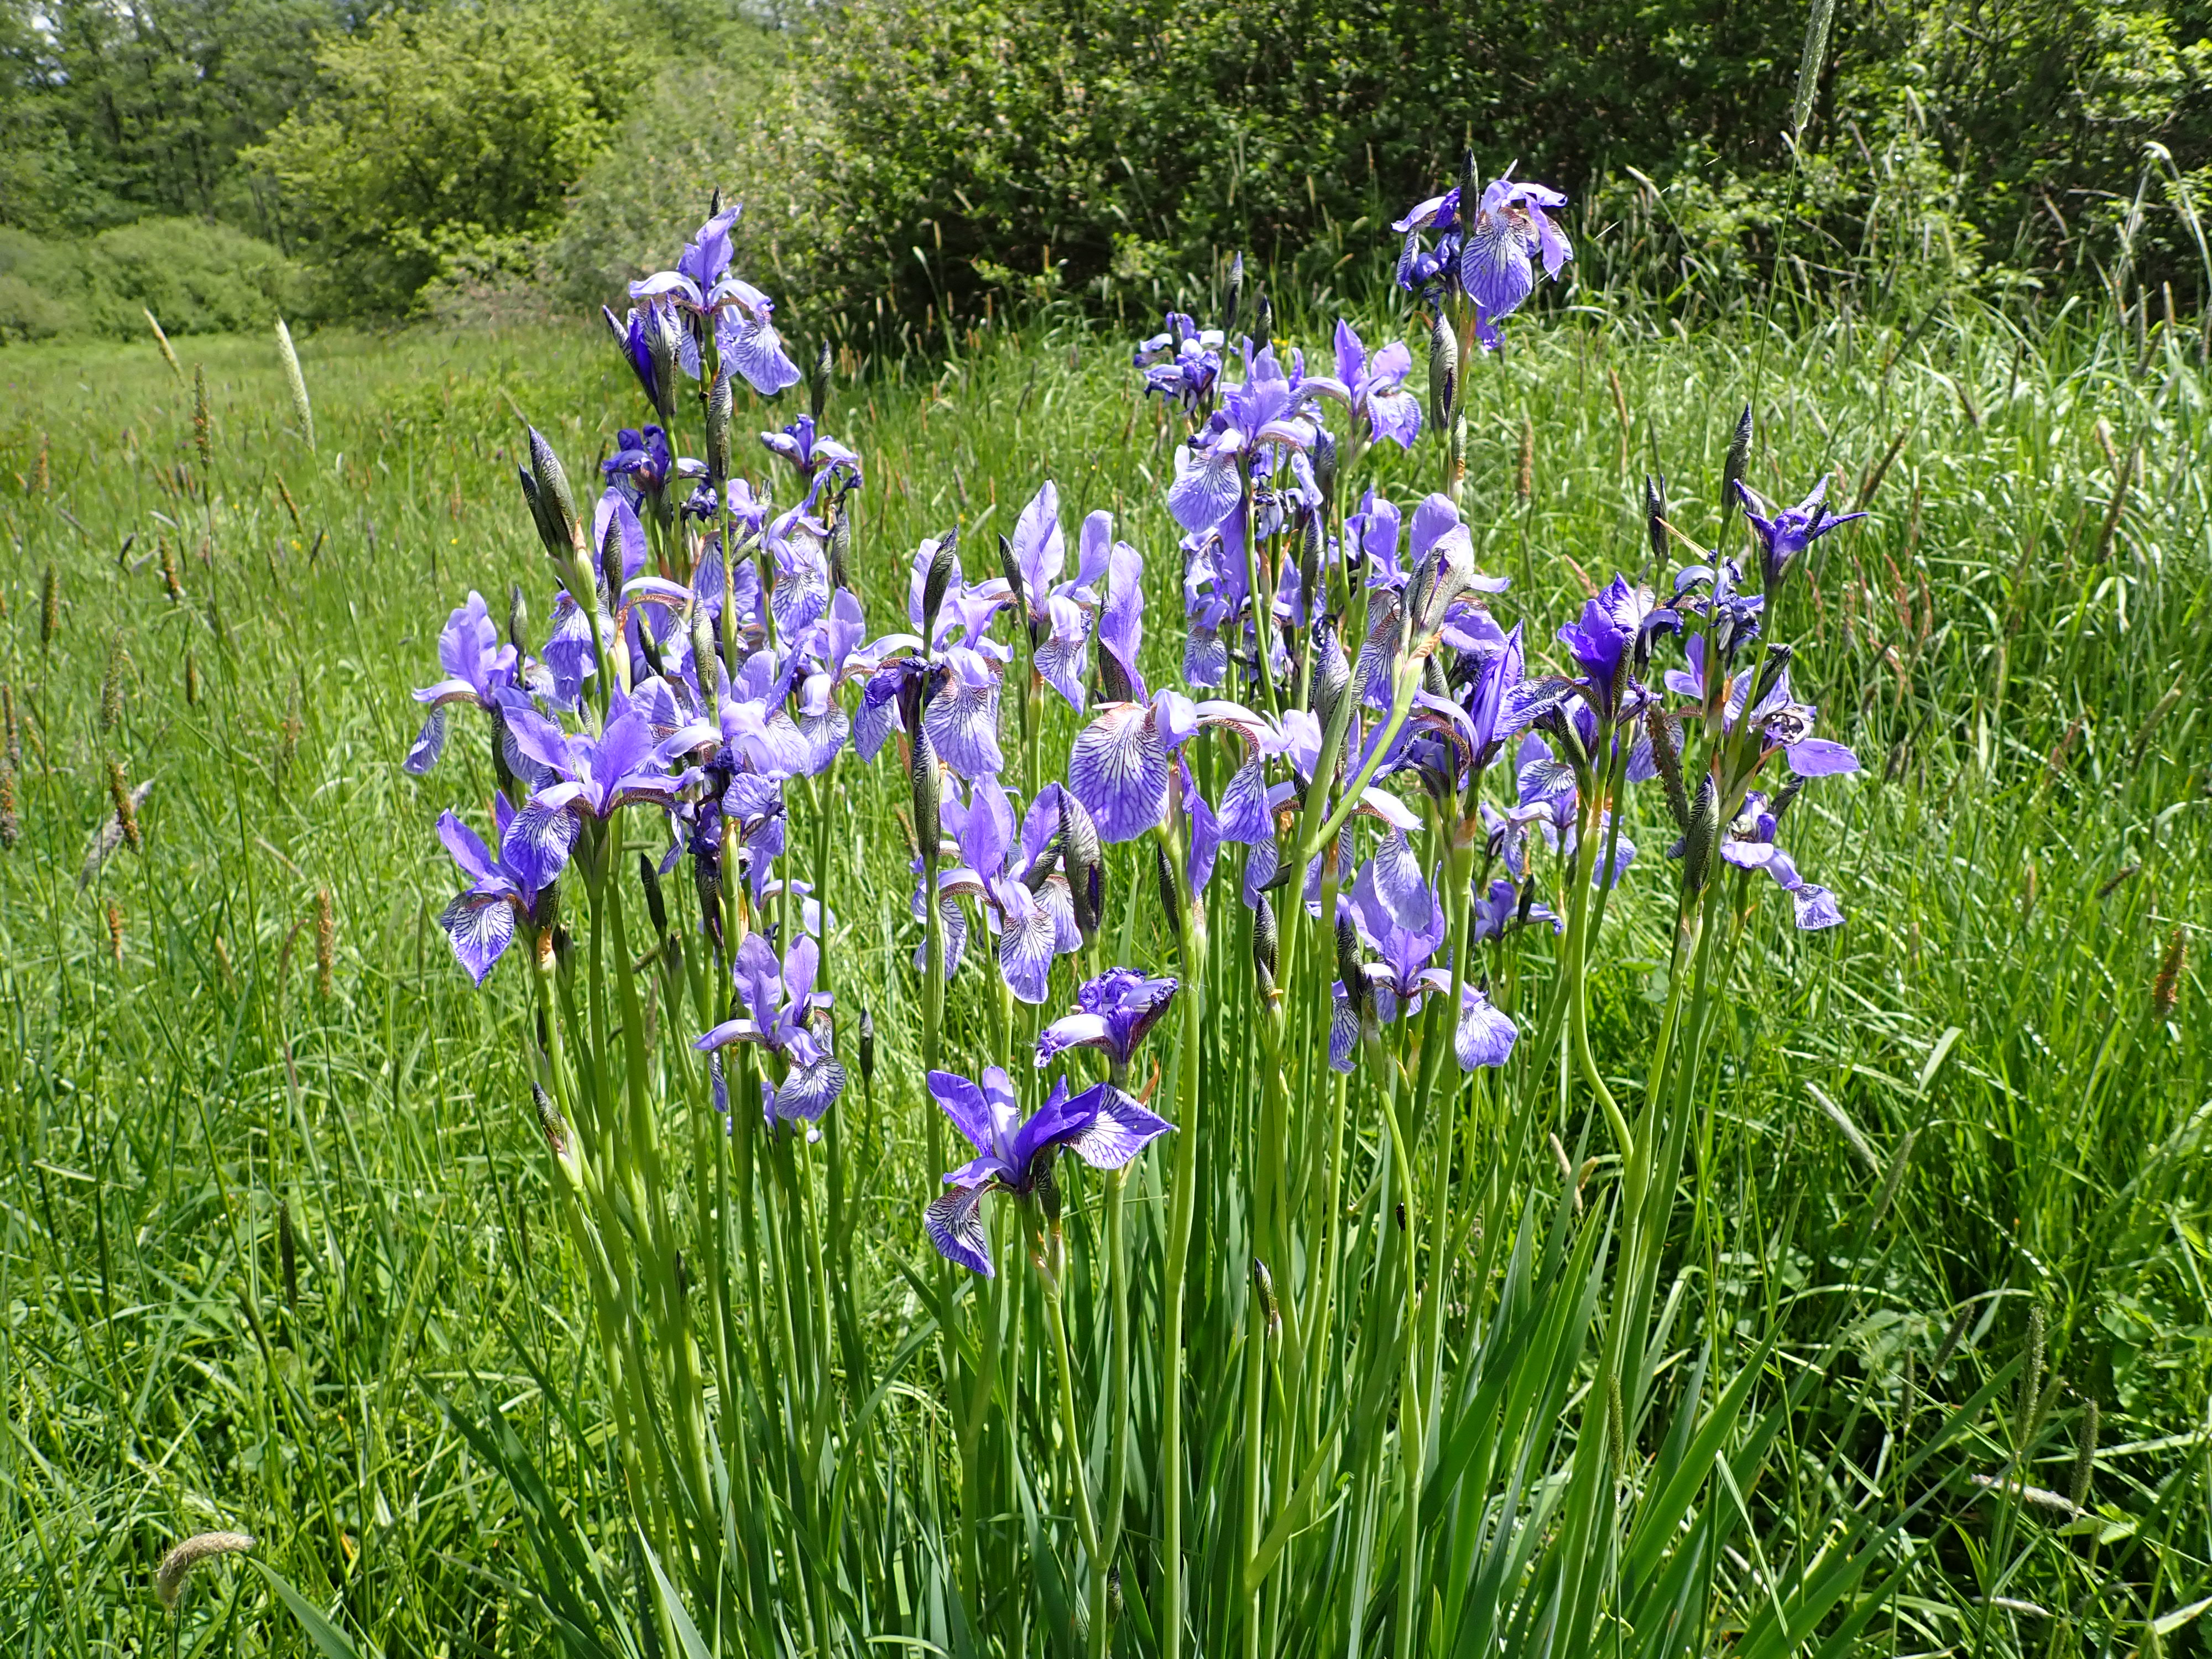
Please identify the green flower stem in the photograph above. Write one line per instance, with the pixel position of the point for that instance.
(1086, 1522)
(1181, 1202)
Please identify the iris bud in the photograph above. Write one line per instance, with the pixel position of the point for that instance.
(1701, 836)
(1010, 567)
(551, 1121)
(840, 548)
(518, 619)
(1235, 298)
(1324, 459)
(1086, 868)
(649, 878)
(1739, 458)
(1348, 960)
(1332, 672)
(1170, 898)
(1309, 550)
(1444, 372)
(719, 411)
(1263, 321)
(1655, 518)
(922, 775)
(867, 1045)
(1667, 758)
(703, 646)
(1267, 944)
(818, 384)
(1770, 671)
(1263, 1285)
(940, 578)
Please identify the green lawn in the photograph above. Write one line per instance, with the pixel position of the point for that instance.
(270, 1195)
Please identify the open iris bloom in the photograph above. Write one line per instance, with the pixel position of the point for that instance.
(1784, 536)
(1103, 1126)
(1058, 613)
(812, 455)
(959, 676)
(1183, 364)
(1372, 384)
(656, 336)
(478, 668)
(481, 920)
(1027, 902)
(579, 777)
(1490, 255)
(781, 1004)
(1112, 1014)
(1213, 470)
(1394, 913)
(1749, 845)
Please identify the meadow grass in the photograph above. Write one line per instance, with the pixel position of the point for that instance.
(273, 1189)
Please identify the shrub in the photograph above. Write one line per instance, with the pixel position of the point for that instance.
(449, 136)
(198, 277)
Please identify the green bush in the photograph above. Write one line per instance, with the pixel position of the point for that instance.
(1096, 145)
(446, 139)
(198, 277)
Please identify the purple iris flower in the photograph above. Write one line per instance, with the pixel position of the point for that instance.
(637, 335)
(1271, 406)
(1499, 909)
(707, 255)
(641, 460)
(1612, 640)
(963, 668)
(746, 339)
(1059, 612)
(1183, 363)
(1396, 915)
(781, 1003)
(1372, 385)
(812, 453)
(1749, 845)
(578, 776)
(1790, 531)
(1112, 1014)
(1784, 725)
(1103, 1126)
(1026, 902)
(480, 922)
(1548, 806)
(1498, 250)
(1437, 535)
(478, 667)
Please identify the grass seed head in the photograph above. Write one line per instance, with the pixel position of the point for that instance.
(115, 931)
(126, 805)
(202, 440)
(326, 942)
(11, 828)
(111, 683)
(288, 1253)
(11, 741)
(161, 340)
(50, 606)
(300, 411)
(177, 1565)
(191, 681)
(2166, 990)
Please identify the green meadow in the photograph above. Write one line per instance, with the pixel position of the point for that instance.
(275, 1211)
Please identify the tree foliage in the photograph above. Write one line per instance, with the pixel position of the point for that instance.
(448, 135)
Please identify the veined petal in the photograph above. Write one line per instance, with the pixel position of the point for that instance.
(429, 743)
(954, 1222)
(1817, 757)
(479, 927)
(1205, 490)
(963, 721)
(1072, 1031)
(1816, 907)
(810, 1090)
(1122, 1127)
(1118, 769)
(1485, 1035)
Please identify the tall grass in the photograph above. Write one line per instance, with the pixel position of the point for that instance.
(284, 1260)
